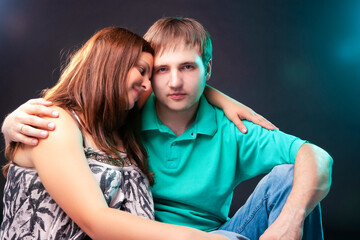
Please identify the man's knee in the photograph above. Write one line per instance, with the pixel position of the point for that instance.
(231, 235)
(281, 178)
(284, 172)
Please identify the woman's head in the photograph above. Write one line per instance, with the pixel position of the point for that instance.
(101, 82)
(96, 80)
(137, 80)
(96, 75)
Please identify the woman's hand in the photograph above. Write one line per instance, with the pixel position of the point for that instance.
(236, 111)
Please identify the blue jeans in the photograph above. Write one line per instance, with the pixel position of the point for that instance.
(264, 206)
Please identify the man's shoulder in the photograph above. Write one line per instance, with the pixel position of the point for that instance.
(227, 127)
(222, 119)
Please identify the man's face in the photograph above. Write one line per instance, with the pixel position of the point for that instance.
(179, 79)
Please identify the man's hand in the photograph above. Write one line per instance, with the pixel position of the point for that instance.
(312, 180)
(25, 124)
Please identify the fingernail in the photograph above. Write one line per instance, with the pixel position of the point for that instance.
(55, 113)
(244, 130)
(51, 126)
(43, 134)
(34, 142)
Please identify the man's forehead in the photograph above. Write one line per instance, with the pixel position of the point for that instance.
(175, 46)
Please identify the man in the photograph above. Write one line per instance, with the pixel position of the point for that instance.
(199, 156)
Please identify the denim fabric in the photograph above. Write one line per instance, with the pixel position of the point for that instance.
(231, 235)
(264, 206)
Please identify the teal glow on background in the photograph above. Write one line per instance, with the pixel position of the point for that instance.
(295, 62)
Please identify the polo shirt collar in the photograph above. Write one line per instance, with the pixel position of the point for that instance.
(206, 119)
(205, 122)
(149, 117)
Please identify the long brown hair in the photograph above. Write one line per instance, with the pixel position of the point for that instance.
(94, 84)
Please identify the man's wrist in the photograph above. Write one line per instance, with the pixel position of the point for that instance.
(6, 139)
(4, 130)
(293, 214)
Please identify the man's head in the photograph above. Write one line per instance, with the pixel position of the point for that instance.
(182, 62)
(170, 33)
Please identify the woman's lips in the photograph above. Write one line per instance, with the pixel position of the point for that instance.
(137, 93)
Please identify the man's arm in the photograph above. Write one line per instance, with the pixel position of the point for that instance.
(25, 124)
(312, 180)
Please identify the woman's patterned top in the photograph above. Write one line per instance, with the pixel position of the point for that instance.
(30, 213)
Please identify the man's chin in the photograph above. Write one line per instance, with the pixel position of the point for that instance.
(176, 106)
(180, 107)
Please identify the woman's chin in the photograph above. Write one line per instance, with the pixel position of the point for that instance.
(131, 105)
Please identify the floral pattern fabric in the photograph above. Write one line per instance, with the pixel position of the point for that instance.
(30, 213)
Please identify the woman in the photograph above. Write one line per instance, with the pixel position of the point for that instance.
(75, 182)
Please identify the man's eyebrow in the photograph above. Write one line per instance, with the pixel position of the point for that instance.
(160, 66)
(189, 62)
(180, 64)
(183, 63)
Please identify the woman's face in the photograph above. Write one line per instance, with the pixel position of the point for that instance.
(138, 78)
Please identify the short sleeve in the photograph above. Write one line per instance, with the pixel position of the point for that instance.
(260, 150)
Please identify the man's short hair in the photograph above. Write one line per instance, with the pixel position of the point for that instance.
(170, 32)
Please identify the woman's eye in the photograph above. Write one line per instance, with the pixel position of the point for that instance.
(142, 71)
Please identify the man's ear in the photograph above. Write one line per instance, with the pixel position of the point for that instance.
(208, 70)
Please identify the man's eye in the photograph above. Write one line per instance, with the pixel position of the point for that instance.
(188, 67)
(161, 70)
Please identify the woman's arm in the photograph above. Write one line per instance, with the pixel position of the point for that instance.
(64, 171)
(235, 110)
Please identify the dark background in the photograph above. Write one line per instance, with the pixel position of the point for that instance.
(295, 62)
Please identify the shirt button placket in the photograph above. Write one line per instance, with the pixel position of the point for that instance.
(173, 158)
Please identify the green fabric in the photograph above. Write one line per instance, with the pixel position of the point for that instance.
(195, 173)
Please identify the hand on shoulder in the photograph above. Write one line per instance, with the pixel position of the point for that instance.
(26, 124)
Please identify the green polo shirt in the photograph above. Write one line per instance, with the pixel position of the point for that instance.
(196, 172)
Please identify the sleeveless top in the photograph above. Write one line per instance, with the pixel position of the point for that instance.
(30, 213)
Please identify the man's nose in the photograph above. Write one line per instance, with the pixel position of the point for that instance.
(175, 80)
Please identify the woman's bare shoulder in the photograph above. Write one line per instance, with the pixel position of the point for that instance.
(66, 132)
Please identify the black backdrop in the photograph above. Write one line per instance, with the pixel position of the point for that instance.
(295, 62)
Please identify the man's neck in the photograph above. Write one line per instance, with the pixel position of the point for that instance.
(176, 121)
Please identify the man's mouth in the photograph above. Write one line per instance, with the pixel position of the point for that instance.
(177, 96)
